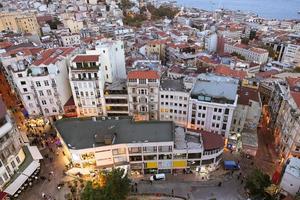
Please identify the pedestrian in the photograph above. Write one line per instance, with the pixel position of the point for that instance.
(151, 182)
(242, 181)
(136, 190)
(220, 184)
(172, 193)
(188, 195)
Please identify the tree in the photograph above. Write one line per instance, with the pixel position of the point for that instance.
(257, 182)
(117, 187)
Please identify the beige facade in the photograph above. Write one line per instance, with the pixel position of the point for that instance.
(19, 22)
(73, 25)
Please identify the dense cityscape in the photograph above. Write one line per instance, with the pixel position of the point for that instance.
(147, 100)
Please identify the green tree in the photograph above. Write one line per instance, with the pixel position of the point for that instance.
(117, 187)
(257, 182)
(126, 4)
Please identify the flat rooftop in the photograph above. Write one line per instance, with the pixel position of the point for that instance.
(81, 133)
(293, 167)
(173, 85)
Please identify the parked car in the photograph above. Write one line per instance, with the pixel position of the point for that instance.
(158, 177)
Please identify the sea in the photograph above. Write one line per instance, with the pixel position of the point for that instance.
(269, 9)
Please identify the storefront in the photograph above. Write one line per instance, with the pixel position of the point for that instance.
(150, 168)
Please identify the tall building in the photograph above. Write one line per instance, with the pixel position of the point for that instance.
(19, 22)
(87, 84)
(43, 85)
(290, 181)
(173, 101)
(143, 90)
(112, 59)
(212, 103)
(18, 161)
(292, 54)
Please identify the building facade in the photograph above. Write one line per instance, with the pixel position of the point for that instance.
(143, 91)
(212, 103)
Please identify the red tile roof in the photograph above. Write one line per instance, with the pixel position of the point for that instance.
(210, 140)
(26, 51)
(266, 74)
(226, 71)
(50, 56)
(145, 74)
(70, 102)
(246, 94)
(293, 82)
(5, 44)
(86, 58)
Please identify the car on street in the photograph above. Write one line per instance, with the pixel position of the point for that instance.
(158, 177)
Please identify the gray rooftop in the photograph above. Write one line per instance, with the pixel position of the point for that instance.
(80, 133)
(174, 85)
(215, 87)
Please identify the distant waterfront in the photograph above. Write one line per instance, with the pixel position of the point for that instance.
(271, 9)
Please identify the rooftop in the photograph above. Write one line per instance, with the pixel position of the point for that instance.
(215, 88)
(172, 84)
(51, 56)
(143, 74)
(81, 133)
(86, 58)
(293, 167)
(246, 94)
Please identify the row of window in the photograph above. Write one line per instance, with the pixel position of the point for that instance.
(173, 97)
(173, 104)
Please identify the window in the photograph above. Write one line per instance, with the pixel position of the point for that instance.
(13, 164)
(105, 67)
(46, 110)
(214, 117)
(203, 115)
(20, 75)
(133, 90)
(142, 81)
(38, 84)
(23, 83)
(220, 110)
(25, 89)
(5, 176)
(46, 83)
(162, 96)
(49, 92)
(44, 102)
(215, 109)
(226, 111)
(18, 159)
(51, 101)
(41, 93)
(28, 97)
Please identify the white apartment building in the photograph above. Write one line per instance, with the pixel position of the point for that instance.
(69, 40)
(13, 154)
(290, 181)
(142, 147)
(212, 103)
(87, 84)
(143, 91)
(292, 54)
(173, 101)
(288, 123)
(253, 54)
(210, 42)
(112, 59)
(43, 85)
(248, 110)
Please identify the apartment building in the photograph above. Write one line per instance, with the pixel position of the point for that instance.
(19, 22)
(292, 54)
(87, 84)
(212, 103)
(17, 161)
(288, 123)
(248, 110)
(173, 101)
(156, 50)
(142, 147)
(112, 59)
(143, 91)
(116, 98)
(69, 40)
(43, 85)
(73, 25)
(253, 54)
(290, 182)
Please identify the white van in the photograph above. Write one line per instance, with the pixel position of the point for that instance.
(158, 177)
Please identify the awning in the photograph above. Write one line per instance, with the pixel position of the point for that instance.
(35, 153)
(31, 168)
(14, 186)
